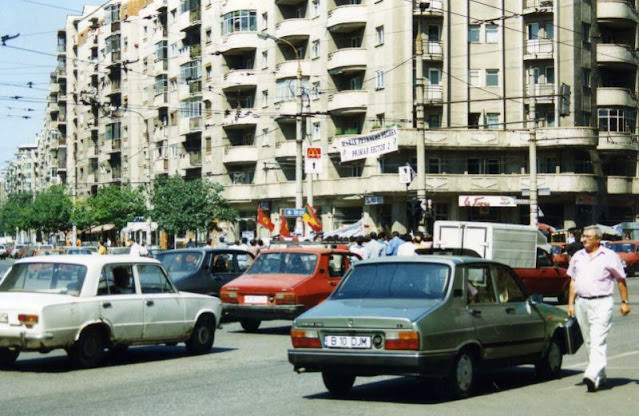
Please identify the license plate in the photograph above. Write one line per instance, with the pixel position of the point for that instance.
(4, 318)
(347, 341)
(255, 299)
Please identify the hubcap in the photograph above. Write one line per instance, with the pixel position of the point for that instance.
(203, 335)
(464, 372)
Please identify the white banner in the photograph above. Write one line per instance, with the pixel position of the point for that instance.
(487, 201)
(375, 144)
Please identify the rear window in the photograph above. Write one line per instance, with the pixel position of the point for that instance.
(395, 281)
(66, 279)
(181, 262)
(284, 263)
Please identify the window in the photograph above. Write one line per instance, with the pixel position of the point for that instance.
(585, 34)
(479, 285)
(492, 120)
(286, 88)
(473, 120)
(473, 33)
(116, 280)
(112, 13)
(264, 59)
(266, 137)
(207, 35)
(112, 131)
(533, 31)
(315, 49)
(191, 108)
(379, 31)
(474, 77)
(507, 289)
(492, 32)
(153, 280)
(617, 120)
(433, 166)
(186, 5)
(239, 21)
(585, 78)
(264, 98)
(550, 75)
(209, 71)
(160, 84)
(317, 131)
(379, 79)
(161, 52)
(190, 71)
(207, 145)
(492, 77)
(315, 90)
(434, 120)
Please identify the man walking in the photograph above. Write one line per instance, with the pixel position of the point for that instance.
(593, 270)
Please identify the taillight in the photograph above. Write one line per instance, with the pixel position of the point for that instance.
(27, 320)
(402, 341)
(285, 298)
(228, 296)
(305, 339)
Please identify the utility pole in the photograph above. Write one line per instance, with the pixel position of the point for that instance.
(532, 152)
(421, 125)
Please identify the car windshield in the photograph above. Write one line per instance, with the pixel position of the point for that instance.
(284, 263)
(622, 248)
(181, 263)
(66, 279)
(395, 281)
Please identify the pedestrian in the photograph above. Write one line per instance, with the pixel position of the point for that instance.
(101, 248)
(358, 248)
(221, 243)
(374, 248)
(393, 244)
(144, 251)
(190, 244)
(408, 247)
(593, 270)
(134, 247)
(209, 243)
(108, 242)
(253, 249)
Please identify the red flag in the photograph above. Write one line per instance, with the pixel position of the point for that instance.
(310, 217)
(264, 220)
(284, 231)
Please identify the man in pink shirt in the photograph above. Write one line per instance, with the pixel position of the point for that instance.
(594, 270)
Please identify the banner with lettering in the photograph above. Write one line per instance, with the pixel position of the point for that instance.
(371, 145)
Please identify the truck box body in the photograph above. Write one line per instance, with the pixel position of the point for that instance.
(511, 244)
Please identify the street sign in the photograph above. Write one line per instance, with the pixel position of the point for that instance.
(406, 174)
(373, 200)
(293, 212)
(486, 201)
(313, 160)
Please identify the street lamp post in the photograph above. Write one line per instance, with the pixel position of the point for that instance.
(298, 121)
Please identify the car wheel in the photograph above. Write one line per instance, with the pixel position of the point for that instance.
(250, 325)
(463, 375)
(338, 384)
(88, 350)
(119, 350)
(8, 356)
(202, 337)
(549, 366)
(562, 298)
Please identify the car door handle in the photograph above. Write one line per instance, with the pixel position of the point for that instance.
(106, 304)
(510, 310)
(149, 303)
(475, 312)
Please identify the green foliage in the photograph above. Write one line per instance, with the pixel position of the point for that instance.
(51, 210)
(116, 205)
(16, 212)
(181, 205)
(82, 214)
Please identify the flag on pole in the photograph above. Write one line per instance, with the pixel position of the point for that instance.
(284, 231)
(310, 217)
(264, 220)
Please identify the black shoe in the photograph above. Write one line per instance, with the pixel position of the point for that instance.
(590, 383)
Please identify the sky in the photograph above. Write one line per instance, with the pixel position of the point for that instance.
(37, 22)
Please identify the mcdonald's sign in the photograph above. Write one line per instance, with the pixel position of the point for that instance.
(313, 152)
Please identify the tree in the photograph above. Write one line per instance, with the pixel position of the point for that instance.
(117, 205)
(181, 205)
(82, 214)
(17, 212)
(51, 210)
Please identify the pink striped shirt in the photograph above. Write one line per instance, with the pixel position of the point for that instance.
(595, 275)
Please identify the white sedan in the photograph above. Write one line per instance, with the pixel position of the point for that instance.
(85, 304)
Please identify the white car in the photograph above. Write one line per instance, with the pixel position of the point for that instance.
(85, 304)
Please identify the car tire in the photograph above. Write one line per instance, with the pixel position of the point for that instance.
(119, 350)
(8, 356)
(562, 298)
(202, 337)
(463, 375)
(549, 366)
(338, 384)
(88, 350)
(250, 325)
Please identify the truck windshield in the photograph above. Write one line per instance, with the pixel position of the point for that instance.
(395, 281)
(284, 263)
(65, 279)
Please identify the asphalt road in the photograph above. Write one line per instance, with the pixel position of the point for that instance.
(248, 374)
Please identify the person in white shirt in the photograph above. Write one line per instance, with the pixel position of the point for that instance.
(134, 248)
(359, 248)
(408, 248)
(374, 248)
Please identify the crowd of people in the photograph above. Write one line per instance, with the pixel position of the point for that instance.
(378, 245)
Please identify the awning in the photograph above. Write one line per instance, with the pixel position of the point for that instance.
(132, 227)
(99, 228)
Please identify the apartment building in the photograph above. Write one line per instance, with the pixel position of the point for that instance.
(208, 89)
(22, 173)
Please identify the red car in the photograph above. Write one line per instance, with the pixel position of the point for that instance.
(628, 252)
(559, 256)
(283, 283)
(546, 279)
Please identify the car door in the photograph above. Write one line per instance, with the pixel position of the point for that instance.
(163, 307)
(223, 270)
(520, 323)
(120, 305)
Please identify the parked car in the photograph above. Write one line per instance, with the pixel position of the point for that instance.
(546, 279)
(204, 270)
(627, 250)
(85, 304)
(559, 256)
(18, 251)
(283, 283)
(48, 252)
(79, 251)
(435, 316)
(118, 250)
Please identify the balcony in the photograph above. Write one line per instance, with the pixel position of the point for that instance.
(428, 8)
(239, 119)
(195, 51)
(239, 77)
(161, 165)
(116, 146)
(195, 88)
(160, 65)
(615, 54)
(542, 93)
(348, 102)
(285, 149)
(240, 154)
(616, 11)
(195, 124)
(115, 27)
(161, 99)
(610, 140)
(538, 6)
(539, 49)
(433, 51)
(348, 59)
(615, 96)
(238, 41)
(583, 137)
(619, 185)
(293, 29)
(287, 109)
(190, 160)
(116, 59)
(433, 95)
(195, 20)
(346, 18)
(288, 69)
(113, 88)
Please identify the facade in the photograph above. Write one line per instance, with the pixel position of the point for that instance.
(22, 173)
(209, 89)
